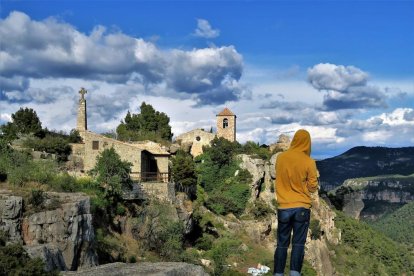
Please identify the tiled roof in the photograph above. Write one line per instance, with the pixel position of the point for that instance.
(226, 112)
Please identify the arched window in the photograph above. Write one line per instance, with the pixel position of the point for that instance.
(226, 123)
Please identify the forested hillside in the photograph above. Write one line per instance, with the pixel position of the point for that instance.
(398, 225)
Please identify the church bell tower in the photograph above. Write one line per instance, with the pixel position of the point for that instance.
(226, 125)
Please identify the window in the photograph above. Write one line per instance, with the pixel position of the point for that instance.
(95, 145)
(198, 138)
(226, 123)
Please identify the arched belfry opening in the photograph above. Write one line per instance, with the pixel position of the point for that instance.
(225, 123)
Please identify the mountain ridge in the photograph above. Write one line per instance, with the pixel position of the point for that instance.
(362, 161)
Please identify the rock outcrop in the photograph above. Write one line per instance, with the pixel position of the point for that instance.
(282, 144)
(256, 168)
(10, 216)
(317, 251)
(150, 269)
(62, 234)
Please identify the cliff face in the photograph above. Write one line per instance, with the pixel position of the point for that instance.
(373, 197)
(62, 235)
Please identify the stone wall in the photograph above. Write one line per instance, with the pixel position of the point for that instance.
(158, 190)
(197, 138)
(94, 144)
(127, 152)
(229, 132)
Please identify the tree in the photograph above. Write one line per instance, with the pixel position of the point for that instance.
(24, 121)
(112, 173)
(148, 124)
(221, 151)
(183, 169)
(184, 173)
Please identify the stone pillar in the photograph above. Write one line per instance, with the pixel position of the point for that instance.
(226, 125)
(82, 117)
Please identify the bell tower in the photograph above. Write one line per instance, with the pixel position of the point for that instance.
(82, 124)
(226, 125)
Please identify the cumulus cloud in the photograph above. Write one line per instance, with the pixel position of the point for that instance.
(346, 87)
(54, 49)
(205, 30)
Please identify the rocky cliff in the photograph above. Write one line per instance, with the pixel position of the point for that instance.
(372, 197)
(61, 234)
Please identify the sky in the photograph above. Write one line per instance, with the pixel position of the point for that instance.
(343, 70)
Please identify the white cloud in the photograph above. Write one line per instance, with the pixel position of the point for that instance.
(345, 87)
(43, 49)
(205, 30)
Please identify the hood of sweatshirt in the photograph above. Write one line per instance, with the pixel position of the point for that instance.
(301, 142)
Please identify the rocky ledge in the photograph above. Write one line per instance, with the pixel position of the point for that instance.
(149, 269)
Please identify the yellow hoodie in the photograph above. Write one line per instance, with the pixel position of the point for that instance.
(296, 173)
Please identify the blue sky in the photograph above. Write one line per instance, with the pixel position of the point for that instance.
(342, 69)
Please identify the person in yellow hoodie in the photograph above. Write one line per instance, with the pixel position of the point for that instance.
(296, 178)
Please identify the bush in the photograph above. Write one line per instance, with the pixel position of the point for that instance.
(260, 209)
(15, 261)
(205, 242)
(315, 228)
(37, 198)
(64, 183)
(253, 149)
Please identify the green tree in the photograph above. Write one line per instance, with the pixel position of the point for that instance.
(221, 151)
(148, 124)
(183, 169)
(112, 173)
(24, 121)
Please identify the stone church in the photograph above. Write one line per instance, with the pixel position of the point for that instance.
(149, 159)
(197, 138)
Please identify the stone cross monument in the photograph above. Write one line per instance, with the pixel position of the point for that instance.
(226, 125)
(82, 122)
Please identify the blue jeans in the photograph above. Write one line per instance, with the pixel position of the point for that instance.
(288, 219)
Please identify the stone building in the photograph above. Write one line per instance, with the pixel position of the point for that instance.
(197, 138)
(149, 159)
(226, 125)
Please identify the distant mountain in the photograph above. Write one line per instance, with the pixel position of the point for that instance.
(365, 162)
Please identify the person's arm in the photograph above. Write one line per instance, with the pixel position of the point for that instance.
(313, 175)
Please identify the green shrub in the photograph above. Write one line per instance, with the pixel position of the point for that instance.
(120, 210)
(132, 259)
(205, 242)
(315, 228)
(64, 183)
(260, 209)
(15, 261)
(37, 198)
